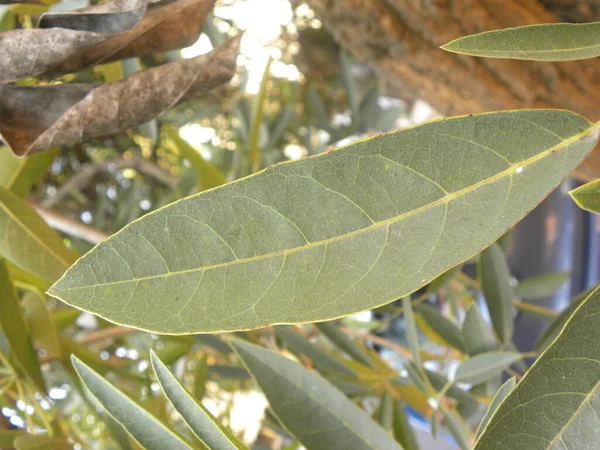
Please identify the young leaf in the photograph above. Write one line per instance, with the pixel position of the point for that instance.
(204, 425)
(321, 359)
(442, 326)
(341, 340)
(545, 42)
(556, 403)
(12, 323)
(143, 427)
(457, 429)
(313, 411)
(403, 432)
(477, 333)
(588, 196)
(541, 286)
(499, 397)
(28, 242)
(410, 328)
(272, 248)
(485, 366)
(499, 296)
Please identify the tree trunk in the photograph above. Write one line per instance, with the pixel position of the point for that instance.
(402, 39)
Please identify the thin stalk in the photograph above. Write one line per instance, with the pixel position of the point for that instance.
(257, 115)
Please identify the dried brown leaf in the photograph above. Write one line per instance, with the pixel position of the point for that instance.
(36, 118)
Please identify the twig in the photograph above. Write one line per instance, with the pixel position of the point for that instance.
(69, 226)
(106, 333)
(85, 176)
(379, 340)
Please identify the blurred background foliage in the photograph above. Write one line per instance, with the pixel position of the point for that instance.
(296, 94)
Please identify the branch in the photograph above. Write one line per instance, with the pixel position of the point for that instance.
(69, 226)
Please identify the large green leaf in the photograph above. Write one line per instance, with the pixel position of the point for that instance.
(200, 420)
(312, 410)
(498, 398)
(28, 241)
(333, 234)
(143, 427)
(556, 404)
(545, 42)
(588, 196)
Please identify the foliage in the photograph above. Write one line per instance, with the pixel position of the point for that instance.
(410, 224)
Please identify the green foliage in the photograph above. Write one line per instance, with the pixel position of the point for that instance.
(588, 196)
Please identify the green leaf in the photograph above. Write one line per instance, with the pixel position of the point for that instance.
(559, 321)
(457, 429)
(344, 343)
(146, 429)
(322, 360)
(41, 322)
(484, 367)
(13, 324)
(545, 42)
(557, 403)
(208, 175)
(410, 328)
(588, 196)
(477, 334)
(204, 425)
(541, 286)
(498, 398)
(19, 174)
(499, 296)
(7, 437)
(385, 413)
(200, 377)
(41, 442)
(313, 411)
(331, 235)
(442, 326)
(403, 432)
(28, 241)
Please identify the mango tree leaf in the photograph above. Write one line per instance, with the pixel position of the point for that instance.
(19, 174)
(146, 429)
(13, 325)
(484, 367)
(403, 432)
(477, 334)
(499, 397)
(588, 196)
(557, 403)
(324, 361)
(28, 242)
(41, 322)
(545, 42)
(31, 52)
(36, 118)
(542, 285)
(272, 248)
(442, 326)
(41, 442)
(499, 296)
(344, 343)
(204, 425)
(312, 410)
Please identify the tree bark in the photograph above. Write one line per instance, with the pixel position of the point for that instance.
(402, 39)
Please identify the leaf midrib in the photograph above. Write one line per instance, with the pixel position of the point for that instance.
(509, 171)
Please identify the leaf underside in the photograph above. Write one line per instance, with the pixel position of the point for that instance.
(331, 235)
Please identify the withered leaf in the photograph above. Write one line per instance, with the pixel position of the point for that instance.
(36, 118)
(166, 26)
(33, 52)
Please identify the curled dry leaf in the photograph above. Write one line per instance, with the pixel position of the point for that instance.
(166, 26)
(33, 52)
(36, 118)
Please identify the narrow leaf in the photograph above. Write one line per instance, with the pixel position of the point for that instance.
(344, 343)
(403, 432)
(588, 196)
(385, 414)
(477, 333)
(457, 429)
(499, 296)
(320, 358)
(12, 323)
(19, 174)
(442, 326)
(499, 397)
(28, 242)
(545, 42)
(257, 252)
(556, 403)
(541, 286)
(484, 367)
(42, 442)
(410, 327)
(313, 411)
(41, 322)
(204, 425)
(143, 427)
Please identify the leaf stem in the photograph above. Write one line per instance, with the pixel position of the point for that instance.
(539, 310)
